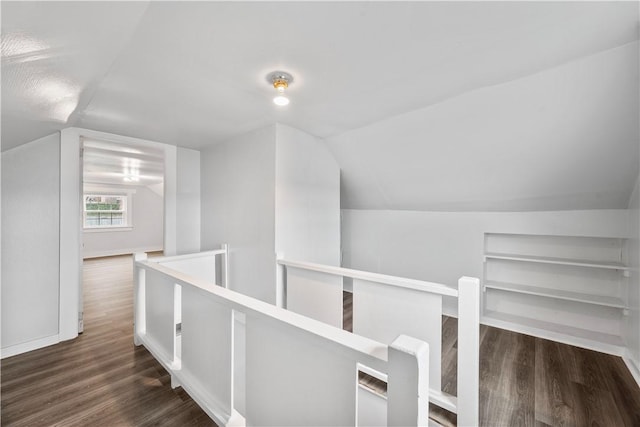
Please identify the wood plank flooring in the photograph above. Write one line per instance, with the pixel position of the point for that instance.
(101, 379)
(529, 381)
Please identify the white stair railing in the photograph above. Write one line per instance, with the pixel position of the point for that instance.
(386, 306)
(298, 371)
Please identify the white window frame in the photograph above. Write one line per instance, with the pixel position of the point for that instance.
(127, 212)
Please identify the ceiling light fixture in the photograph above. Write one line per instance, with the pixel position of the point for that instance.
(131, 170)
(280, 81)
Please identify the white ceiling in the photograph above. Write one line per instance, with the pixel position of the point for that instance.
(565, 138)
(193, 73)
(121, 164)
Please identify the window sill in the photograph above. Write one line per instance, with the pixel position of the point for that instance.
(105, 229)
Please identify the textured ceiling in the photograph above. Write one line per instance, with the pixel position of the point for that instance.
(193, 73)
(425, 105)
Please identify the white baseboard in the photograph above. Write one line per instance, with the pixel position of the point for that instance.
(632, 366)
(565, 338)
(16, 349)
(125, 251)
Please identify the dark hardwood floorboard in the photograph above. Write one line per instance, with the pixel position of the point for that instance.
(100, 378)
(529, 381)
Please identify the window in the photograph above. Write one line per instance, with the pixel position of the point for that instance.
(104, 211)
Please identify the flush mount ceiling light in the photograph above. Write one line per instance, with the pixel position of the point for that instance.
(131, 170)
(280, 81)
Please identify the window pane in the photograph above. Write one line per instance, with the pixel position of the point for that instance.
(92, 219)
(117, 219)
(105, 211)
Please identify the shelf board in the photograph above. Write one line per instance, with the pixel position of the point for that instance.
(559, 261)
(554, 236)
(558, 294)
(568, 334)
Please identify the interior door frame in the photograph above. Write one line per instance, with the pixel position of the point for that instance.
(70, 280)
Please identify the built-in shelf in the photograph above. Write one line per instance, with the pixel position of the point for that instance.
(608, 301)
(559, 261)
(555, 331)
(529, 278)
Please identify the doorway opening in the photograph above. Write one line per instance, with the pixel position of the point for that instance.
(122, 201)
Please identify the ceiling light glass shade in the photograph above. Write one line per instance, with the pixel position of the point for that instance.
(281, 100)
(280, 81)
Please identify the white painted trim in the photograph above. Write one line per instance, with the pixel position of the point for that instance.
(468, 351)
(128, 211)
(612, 349)
(420, 285)
(164, 358)
(372, 352)
(558, 261)
(219, 416)
(631, 365)
(105, 229)
(71, 229)
(24, 347)
(188, 256)
(125, 251)
(70, 234)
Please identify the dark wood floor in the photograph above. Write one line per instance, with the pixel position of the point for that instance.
(101, 379)
(528, 381)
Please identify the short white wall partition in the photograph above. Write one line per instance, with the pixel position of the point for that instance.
(201, 264)
(385, 307)
(299, 371)
(207, 359)
(384, 312)
(160, 317)
(315, 295)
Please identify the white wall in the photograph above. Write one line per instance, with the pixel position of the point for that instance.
(30, 244)
(1, 249)
(170, 186)
(307, 198)
(238, 208)
(145, 233)
(443, 246)
(188, 201)
(632, 330)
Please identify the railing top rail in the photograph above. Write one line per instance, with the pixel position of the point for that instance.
(187, 256)
(374, 352)
(431, 287)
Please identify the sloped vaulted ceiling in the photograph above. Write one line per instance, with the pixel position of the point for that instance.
(565, 138)
(411, 96)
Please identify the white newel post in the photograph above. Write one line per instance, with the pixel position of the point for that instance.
(408, 382)
(468, 351)
(139, 323)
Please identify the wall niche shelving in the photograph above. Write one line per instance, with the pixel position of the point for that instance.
(570, 289)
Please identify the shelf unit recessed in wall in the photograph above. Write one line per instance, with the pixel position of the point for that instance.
(566, 288)
(582, 297)
(560, 261)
